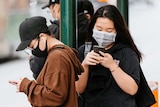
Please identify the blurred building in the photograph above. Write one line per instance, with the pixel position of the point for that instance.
(12, 13)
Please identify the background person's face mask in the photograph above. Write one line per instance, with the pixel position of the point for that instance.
(103, 38)
(49, 13)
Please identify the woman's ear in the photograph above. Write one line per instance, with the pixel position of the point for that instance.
(42, 41)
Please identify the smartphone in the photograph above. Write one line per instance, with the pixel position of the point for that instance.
(97, 48)
(28, 52)
(13, 83)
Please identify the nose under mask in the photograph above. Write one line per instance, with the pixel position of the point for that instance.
(103, 38)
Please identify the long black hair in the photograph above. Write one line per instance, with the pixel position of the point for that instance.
(123, 35)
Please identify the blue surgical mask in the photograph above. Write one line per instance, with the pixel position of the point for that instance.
(103, 38)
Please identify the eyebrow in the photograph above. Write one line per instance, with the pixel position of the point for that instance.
(107, 28)
(110, 28)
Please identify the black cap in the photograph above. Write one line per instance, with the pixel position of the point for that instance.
(50, 2)
(30, 29)
(85, 6)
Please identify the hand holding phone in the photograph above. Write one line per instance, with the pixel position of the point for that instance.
(16, 83)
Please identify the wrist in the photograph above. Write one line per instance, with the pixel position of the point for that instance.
(85, 65)
(114, 68)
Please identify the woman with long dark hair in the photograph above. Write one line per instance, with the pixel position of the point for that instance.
(111, 76)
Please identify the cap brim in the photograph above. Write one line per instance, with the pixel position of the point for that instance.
(23, 45)
(45, 6)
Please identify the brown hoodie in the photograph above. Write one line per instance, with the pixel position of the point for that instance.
(55, 85)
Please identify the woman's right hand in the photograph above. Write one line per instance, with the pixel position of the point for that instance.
(91, 58)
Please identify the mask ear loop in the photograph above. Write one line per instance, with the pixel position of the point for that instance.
(42, 43)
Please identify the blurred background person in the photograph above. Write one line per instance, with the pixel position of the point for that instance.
(85, 12)
(54, 11)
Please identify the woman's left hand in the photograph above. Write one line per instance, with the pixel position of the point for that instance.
(107, 60)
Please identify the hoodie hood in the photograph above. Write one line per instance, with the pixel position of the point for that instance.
(73, 55)
(77, 64)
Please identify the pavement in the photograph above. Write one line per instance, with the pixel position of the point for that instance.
(14, 69)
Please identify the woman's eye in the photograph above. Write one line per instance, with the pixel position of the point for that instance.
(99, 29)
(109, 31)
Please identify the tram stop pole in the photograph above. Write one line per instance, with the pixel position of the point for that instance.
(123, 8)
(68, 22)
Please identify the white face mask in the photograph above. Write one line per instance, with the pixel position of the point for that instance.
(47, 11)
(50, 16)
(103, 38)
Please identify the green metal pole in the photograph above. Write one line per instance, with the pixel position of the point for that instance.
(123, 8)
(68, 22)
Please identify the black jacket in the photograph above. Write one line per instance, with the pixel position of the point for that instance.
(54, 29)
(109, 94)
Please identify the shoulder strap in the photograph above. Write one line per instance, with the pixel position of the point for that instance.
(73, 58)
(87, 47)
